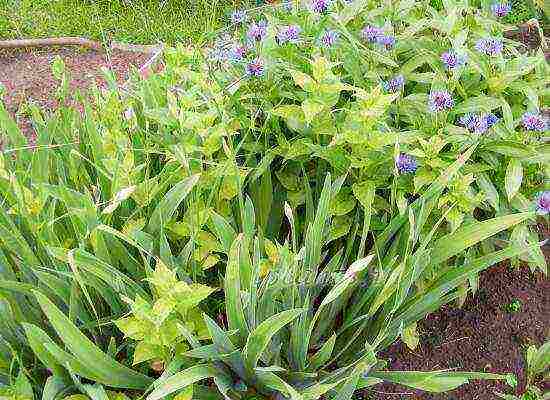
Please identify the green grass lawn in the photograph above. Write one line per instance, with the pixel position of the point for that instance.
(135, 21)
(138, 21)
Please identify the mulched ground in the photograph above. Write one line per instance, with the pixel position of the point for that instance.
(26, 74)
(481, 336)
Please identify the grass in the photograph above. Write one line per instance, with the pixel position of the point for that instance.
(522, 11)
(139, 21)
(134, 21)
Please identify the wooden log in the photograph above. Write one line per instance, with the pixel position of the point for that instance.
(47, 42)
(76, 41)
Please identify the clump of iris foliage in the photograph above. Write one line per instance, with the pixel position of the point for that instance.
(260, 219)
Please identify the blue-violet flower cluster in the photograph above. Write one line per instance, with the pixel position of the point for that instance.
(543, 203)
(500, 10)
(478, 123)
(329, 38)
(238, 17)
(371, 33)
(255, 68)
(395, 84)
(406, 164)
(533, 121)
(440, 100)
(452, 60)
(257, 31)
(320, 6)
(289, 34)
(489, 46)
(374, 34)
(237, 53)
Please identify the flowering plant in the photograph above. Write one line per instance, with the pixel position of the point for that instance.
(391, 95)
(352, 165)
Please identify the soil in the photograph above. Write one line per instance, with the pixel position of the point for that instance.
(527, 33)
(480, 336)
(26, 75)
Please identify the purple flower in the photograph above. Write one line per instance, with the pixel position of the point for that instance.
(469, 121)
(534, 122)
(255, 68)
(474, 123)
(237, 53)
(329, 38)
(386, 40)
(406, 163)
(371, 33)
(320, 6)
(478, 123)
(500, 10)
(440, 100)
(395, 84)
(289, 33)
(543, 203)
(489, 46)
(452, 60)
(257, 31)
(238, 17)
(491, 119)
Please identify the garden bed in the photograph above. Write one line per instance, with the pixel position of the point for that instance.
(482, 335)
(27, 76)
(268, 218)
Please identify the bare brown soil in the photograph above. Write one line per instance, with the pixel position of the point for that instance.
(26, 75)
(481, 336)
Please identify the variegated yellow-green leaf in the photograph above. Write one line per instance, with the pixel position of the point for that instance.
(435, 382)
(342, 203)
(181, 380)
(116, 374)
(321, 69)
(340, 227)
(146, 351)
(465, 237)
(234, 306)
(293, 115)
(170, 202)
(410, 336)
(491, 193)
(305, 81)
(259, 338)
(514, 177)
(311, 108)
(185, 394)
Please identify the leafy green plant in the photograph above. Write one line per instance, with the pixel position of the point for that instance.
(354, 108)
(219, 161)
(156, 326)
(513, 307)
(312, 326)
(538, 365)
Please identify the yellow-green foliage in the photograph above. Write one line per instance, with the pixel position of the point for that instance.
(158, 327)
